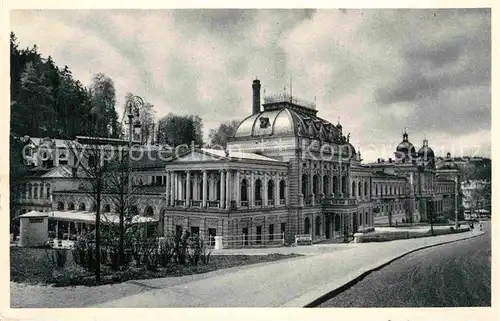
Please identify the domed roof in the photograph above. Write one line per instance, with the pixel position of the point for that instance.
(286, 121)
(425, 152)
(447, 163)
(405, 147)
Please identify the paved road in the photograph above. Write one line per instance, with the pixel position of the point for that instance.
(452, 275)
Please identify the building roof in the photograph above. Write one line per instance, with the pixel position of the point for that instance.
(85, 216)
(290, 119)
(237, 155)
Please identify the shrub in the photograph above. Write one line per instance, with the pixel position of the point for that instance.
(57, 257)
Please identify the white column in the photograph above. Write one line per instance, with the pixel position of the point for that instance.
(276, 190)
(321, 181)
(264, 197)
(188, 189)
(228, 189)
(252, 190)
(167, 188)
(222, 189)
(204, 188)
(238, 189)
(172, 188)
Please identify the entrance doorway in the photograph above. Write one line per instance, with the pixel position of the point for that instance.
(245, 235)
(355, 223)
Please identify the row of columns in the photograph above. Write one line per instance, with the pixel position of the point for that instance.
(42, 191)
(176, 191)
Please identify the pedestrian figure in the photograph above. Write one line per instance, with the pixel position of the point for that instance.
(480, 226)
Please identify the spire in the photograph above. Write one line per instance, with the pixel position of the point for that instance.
(405, 135)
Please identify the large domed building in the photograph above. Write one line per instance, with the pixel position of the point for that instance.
(286, 173)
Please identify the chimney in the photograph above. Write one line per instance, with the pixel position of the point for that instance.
(390, 160)
(378, 160)
(256, 97)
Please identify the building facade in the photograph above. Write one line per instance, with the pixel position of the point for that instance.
(285, 172)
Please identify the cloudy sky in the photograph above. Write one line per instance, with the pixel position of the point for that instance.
(379, 71)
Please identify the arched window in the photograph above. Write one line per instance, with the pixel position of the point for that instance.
(334, 178)
(81, 207)
(48, 191)
(317, 226)
(270, 189)
(366, 189)
(360, 189)
(148, 211)
(258, 189)
(366, 218)
(35, 191)
(353, 192)
(305, 180)
(106, 208)
(385, 190)
(30, 191)
(326, 185)
(244, 190)
(71, 206)
(316, 185)
(344, 184)
(282, 189)
(307, 226)
(60, 206)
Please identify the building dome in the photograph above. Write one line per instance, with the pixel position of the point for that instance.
(447, 164)
(286, 121)
(405, 148)
(425, 153)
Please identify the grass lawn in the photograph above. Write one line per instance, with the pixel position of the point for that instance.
(31, 265)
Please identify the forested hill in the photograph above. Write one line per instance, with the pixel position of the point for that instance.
(47, 101)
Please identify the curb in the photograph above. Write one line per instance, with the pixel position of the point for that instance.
(320, 298)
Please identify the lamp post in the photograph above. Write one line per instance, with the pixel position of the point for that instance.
(133, 105)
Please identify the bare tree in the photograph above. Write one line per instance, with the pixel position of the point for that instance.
(90, 163)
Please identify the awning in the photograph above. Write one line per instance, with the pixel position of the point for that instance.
(86, 217)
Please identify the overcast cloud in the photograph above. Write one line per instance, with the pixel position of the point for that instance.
(379, 71)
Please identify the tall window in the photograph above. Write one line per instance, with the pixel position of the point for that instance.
(366, 189)
(35, 191)
(258, 188)
(270, 189)
(48, 191)
(244, 190)
(304, 184)
(282, 189)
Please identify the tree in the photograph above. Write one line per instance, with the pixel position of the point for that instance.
(45, 100)
(219, 136)
(90, 160)
(103, 96)
(36, 100)
(123, 200)
(178, 130)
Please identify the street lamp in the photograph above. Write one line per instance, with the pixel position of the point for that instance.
(133, 105)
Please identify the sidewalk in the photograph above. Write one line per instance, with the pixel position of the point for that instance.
(289, 283)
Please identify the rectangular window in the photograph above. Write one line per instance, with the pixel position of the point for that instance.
(211, 234)
(283, 227)
(259, 234)
(271, 232)
(178, 230)
(36, 220)
(195, 230)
